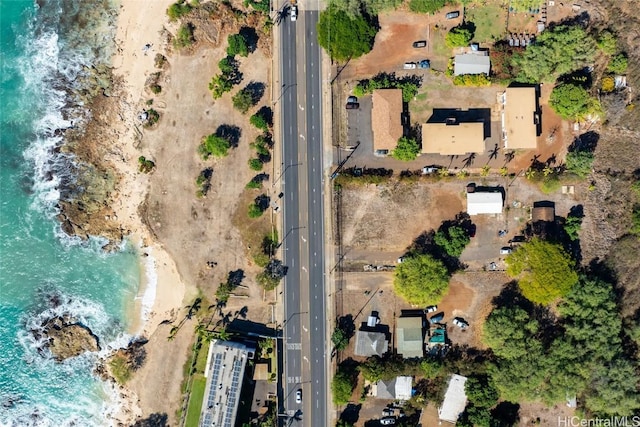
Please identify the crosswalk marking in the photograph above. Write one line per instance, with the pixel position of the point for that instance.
(294, 346)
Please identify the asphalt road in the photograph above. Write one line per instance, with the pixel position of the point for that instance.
(304, 330)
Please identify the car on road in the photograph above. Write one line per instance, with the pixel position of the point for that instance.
(299, 396)
(387, 421)
(452, 15)
(352, 106)
(460, 322)
(294, 13)
(505, 250)
(424, 64)
(352, 100)
(431, 309)
(420, 43)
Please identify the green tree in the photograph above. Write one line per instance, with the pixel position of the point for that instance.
(214, 145)
(219, 85)
(572, 227)
(342, 386)
(237, 45)
(481, 391)
(453, 240)
(458, 37)
(431, 368)
(618, 64)
(339, 339)
(255, 164)
(227, 65)
(579, 162)
(406, 150)
(607, 42)
(544, 270)
(259, 122)
(343, 423)
(421, 280)
(426, 6)
(635, 221)
(344, 37)
(570, 101)
(255, 211)
(614, 391)
(511, 333)
(558, 50)
(243, 100)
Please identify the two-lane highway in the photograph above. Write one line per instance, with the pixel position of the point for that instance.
(304, 330)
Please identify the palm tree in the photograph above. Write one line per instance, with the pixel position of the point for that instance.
(530, 174)
(547, 171)
(485, 170)
(504, 171)
(443, 172)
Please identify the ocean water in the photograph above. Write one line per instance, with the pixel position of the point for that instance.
(44, 49)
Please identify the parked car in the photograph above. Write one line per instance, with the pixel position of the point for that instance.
(294, 13)
(460, 322)
(452, 15)
(420, 43)
(387, 421)
(387, 412)
(431, 309)
(410, 66)
(352, 106)
(424, 64)
(299, 396)
(352, 100)
(505, 250)
(381, 153)
(436, 318)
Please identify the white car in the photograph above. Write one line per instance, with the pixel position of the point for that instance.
(410, 66)
(505, 250)
(387, 421)
(294, 13)
(431, 309)
(461, 323)
(299, 396)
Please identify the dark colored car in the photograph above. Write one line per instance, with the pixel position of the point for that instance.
(452, 15)
(424, 64)
(420, 43)
(352, 106)
(437, 318)
(352, 100)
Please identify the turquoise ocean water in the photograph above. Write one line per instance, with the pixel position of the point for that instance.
(44, 46)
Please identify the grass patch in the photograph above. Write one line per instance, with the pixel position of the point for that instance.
(195, 400)
(253, 231)
(120, 369)
(439, 46)
(489, 20)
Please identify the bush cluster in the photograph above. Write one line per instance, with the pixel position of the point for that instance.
(145, 165)
(472, 80)
(409, 85)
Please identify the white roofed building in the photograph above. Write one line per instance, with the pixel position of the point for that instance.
(480, 202)
(455, 400)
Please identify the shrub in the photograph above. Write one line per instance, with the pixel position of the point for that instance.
(408, 85)
(152, 117)
(237, 45)
(255, 211)
(426, 6)
(260, 6)
(255, 164)
(214, 145)
(472, 80)
(145, 165)
(253, 184)
(242, 101)
(618, 64)
(184, 36)
(608, 84)
(178, 10)
(156, 88)
(635, 221)
(607, 43)
(580, 162)
(160, 60)
(406, 150)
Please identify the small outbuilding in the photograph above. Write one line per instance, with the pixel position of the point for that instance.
(455, 400)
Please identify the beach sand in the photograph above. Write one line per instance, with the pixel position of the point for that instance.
(162, 290)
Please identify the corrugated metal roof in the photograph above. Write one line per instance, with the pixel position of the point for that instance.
(471, 64)
(484, 203)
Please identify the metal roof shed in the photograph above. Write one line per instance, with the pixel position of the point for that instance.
(484, 203)
(471, 64)
(455, 399)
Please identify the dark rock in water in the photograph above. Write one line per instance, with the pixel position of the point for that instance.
(68, 338)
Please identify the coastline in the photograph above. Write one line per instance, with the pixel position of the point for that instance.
(161, 291)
